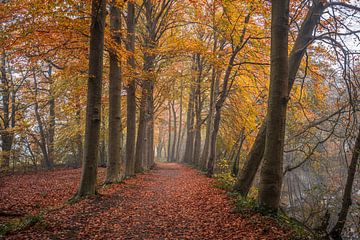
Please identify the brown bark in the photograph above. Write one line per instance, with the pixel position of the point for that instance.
(168, 158)
(79, 140)
(178, 146)
(272, 168)
(189, 145)
(209, 123)
(175, 133)
(52, 122)
(42, 142)
(130, 90)
(141, 136)
(335, 232)
(217, 117)
(253, 161)
(93, 106)
(8, 117)
(115, 167)
(198, 110)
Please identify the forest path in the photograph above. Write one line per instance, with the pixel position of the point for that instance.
(172, 201)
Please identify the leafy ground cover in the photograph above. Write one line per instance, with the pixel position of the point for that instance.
(172, 201)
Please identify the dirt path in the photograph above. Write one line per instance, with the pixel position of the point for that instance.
(170, 202)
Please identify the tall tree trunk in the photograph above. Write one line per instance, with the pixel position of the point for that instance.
(189, 145)
(79, 140)
(141, 141)
(6, 135)
(209, 123)
(253, 161)
(174, 135)
(150, 42)
(346, 200)
(217, 117)
(115, 169)
(51, 135)
(93, 106)
(198, 110)
(168, 158)
(130, 89)
(150, 121)
(272, 168)
(42, 142)
(178, 143)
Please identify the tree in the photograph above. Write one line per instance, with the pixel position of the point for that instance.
(272, 168)
(335, 232)
(130, 90)
(247, 174)
(115, 169)
(93, 107)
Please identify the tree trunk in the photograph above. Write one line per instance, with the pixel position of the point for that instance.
(42, 143)
(178, 146)
(51, 136)
(141, 141)
(209, 123)
(168, 158)
(93, 107)
(174, 137)
(253, 161)
(115, 168)
(217, 118)
(79, 140)
(272, 168)
(198, 109)
(130, 90)
(189, 145)
(235, 167)
(6, 135)
(346, 200)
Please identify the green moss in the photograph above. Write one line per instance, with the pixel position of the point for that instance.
(249, 206)
(19, 224)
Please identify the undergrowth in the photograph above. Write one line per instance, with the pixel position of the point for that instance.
(19, 224)
(249, 206)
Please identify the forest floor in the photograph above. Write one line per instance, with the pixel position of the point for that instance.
(172, 201)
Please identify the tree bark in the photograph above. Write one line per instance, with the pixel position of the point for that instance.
(141, 136)
(130, 90)
(79, 140)
(335, 232)
(42, 143)
(189, 145)
(198, 110)
(115, 169)
(93, 107)
(52, 121)
(174, 135)
(209, 123)
(168, 157)
(7, 136)
(178, 145)
(247, 174)
(272, 168)
(217, 117)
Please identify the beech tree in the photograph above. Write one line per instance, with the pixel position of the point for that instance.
(115, 170)
(93, 106)
(272, 168)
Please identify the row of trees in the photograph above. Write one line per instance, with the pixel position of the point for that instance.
(189, 78)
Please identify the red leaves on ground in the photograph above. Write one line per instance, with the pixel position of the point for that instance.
(170, 202)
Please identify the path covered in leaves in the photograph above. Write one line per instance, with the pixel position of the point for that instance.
(170, 202)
